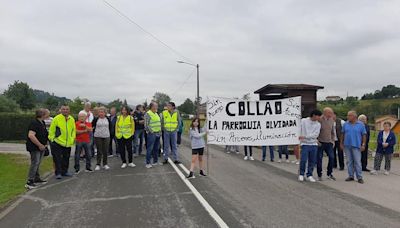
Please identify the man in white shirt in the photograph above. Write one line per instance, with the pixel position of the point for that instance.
(310, 129)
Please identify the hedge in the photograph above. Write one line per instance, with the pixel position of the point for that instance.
(14, 126)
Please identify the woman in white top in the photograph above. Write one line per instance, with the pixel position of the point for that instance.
(101, 132)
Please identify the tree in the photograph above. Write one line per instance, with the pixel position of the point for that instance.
(162, 99)
(21, 93)
(187, 107)
(8, 105)
(51, 103)
(116, 103)
(76, 105)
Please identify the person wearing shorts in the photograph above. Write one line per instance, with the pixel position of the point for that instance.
(196, 135)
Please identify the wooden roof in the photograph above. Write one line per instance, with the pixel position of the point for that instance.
(286, 87)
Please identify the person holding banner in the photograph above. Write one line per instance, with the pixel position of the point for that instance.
(310, 130)
(283, 149)
(248, 155)
(196, 135)
(271, 153)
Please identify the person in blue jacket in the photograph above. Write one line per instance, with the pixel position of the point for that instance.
(385, 147)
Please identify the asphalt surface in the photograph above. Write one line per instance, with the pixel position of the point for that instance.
(243, 193)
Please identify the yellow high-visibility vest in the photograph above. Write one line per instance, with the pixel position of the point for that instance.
(155, 122)
(170, 121)
(125, 127)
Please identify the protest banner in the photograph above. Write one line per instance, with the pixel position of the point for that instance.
(253, 123)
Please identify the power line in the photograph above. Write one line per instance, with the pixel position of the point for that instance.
(183, 83)
(120, 13)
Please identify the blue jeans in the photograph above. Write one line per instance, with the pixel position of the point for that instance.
(169, 141)
(283, 149)
(264, 152)
(138, 136)
(78, 149)
(328, 148)
(353, 161)
(308, 153)
(153, 144)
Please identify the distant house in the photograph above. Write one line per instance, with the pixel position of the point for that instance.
(333, 98)
(308, 94)
(387, 118)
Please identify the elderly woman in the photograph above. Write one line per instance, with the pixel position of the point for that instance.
(364, 154)
(101, 132)
(385, 147)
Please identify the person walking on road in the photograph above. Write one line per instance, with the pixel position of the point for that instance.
(36, 145)
(338, 155)
(138, 137)
(326, 140)
(385, 147)
(124, 130)
(62, 135)
(364, 154)
(152, 126)
(196, 135)
(248, 153)
(102, 129)
(310, 130)
(170, 119)
(354, 137)
(83, 131)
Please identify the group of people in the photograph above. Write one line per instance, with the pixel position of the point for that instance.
(97, 130)
(321, 132)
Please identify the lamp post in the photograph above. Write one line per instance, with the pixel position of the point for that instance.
(198, 86)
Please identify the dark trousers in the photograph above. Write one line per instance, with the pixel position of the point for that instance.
(285, 150)
(125, 145)
(250, 149)
(338, 154)
(61, 158)
(110, 148)
(328, 148)
(179, 138)
(138, 139)
(102, 148)
(78, 149)
(36, 158)
(364, 158)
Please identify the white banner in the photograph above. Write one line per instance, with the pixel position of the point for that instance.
(253, 123)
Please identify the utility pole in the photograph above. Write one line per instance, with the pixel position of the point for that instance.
(198, 92)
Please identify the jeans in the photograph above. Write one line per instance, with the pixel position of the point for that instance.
(153, 144)
(353, 161)
(36, 159)
(328, 148)
(264, 152)
(250, 149)
(78, 149)
(283, 149)
(170, 142)
(308, 153)
(125, 145)
(339, 156)
(138, 136)
(61, 158)
(102, 145)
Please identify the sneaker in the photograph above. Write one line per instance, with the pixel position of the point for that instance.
(386, 173)
(331, 177)
(97, 168)
(106, 167)
(123, 166)
(287, 161)
(58, 177)
(297, 162)
(165, 162)
(237, 152)
(245, 158)
(67, 174)
(228, 152)
(349, 179)
(272, 160)
(301, 178)
(251, 158)
(77, 172)
(110, 156)
(294, 161)
(190, 176)
(263, 160)
(320, 179)
(360, 181)
(131, 165)
(202, 173)
(311, 179)
(177, 162)
(280, 160)
(149, 166)
(30, 185)
(373, 172)
(89, 170)
(40, 181)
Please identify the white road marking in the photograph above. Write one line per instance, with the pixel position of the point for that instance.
(199, 197)
(184, 169)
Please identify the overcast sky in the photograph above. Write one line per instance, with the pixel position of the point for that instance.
(83, 48)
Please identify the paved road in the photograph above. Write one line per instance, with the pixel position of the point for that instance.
(243, 193)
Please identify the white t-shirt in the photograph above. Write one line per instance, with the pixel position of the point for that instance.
(89, 116)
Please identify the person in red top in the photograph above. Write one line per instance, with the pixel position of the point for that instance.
(83, 130)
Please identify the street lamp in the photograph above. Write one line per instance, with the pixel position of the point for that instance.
(198, 86)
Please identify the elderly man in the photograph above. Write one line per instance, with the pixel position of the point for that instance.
(170, 125)
(152, 126)
(353, 141)
(326, 141)
(364, 153)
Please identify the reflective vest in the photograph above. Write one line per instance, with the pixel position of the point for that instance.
(155, 122)
(170, 122)
(62, 131)
(125, 127)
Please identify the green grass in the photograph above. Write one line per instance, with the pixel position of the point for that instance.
(13, 174)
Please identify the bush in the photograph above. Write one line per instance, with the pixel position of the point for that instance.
(14, 126)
